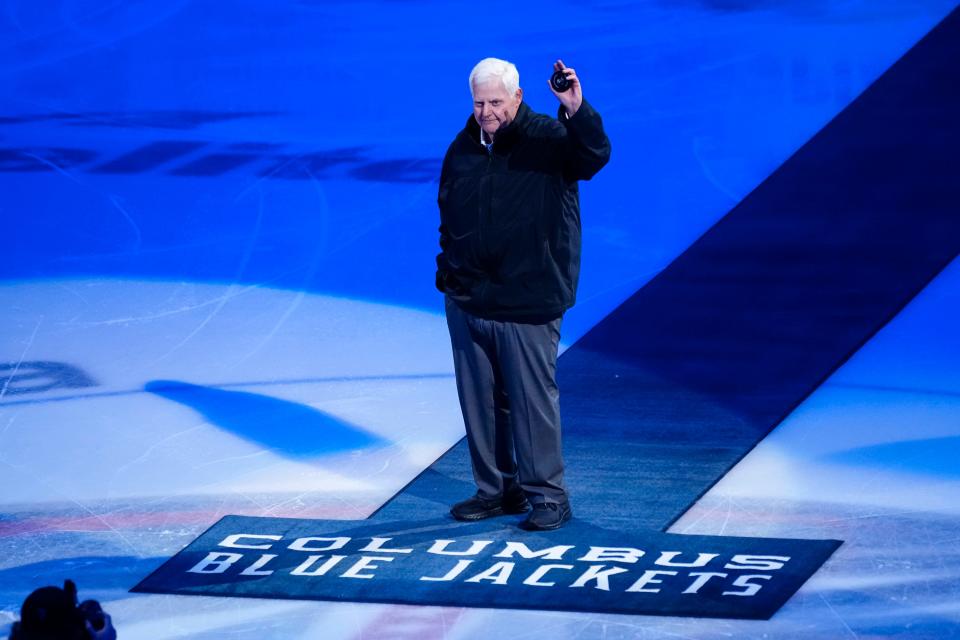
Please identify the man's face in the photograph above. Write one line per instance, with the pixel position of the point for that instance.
(493, 107)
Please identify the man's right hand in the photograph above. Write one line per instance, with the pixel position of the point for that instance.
(572, 98)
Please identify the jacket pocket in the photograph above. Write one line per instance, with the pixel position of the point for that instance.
(460, 207)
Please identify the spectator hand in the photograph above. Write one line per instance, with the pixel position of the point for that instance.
(106, 633)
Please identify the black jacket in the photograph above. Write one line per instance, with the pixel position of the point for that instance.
(510, 218)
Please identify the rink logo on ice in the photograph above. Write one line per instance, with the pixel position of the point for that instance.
(21, 378)
(578, 568)
(194, 158)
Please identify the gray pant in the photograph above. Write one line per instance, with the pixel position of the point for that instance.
(506, 379)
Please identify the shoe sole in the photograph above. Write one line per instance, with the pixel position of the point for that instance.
(493, 513)
(535, 527)
(477, 516)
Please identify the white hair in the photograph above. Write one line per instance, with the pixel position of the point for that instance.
(494, 68)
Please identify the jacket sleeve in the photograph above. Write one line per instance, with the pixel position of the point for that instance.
(588, 148)
(443, 273)
(442, 266)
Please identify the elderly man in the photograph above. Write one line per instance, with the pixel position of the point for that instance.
(509, 265)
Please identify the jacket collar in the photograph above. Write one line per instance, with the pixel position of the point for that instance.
(506, 137)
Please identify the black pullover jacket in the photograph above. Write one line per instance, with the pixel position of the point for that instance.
(510, 218)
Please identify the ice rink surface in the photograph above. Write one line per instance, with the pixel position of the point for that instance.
(220, 229)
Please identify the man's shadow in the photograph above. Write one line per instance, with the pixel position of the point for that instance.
(288, 428)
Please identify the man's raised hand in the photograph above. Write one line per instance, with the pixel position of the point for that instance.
(572, 98)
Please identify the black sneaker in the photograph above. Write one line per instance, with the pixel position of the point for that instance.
(546, 516)
(477, 508)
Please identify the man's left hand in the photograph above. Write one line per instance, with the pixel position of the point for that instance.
(572, 98)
